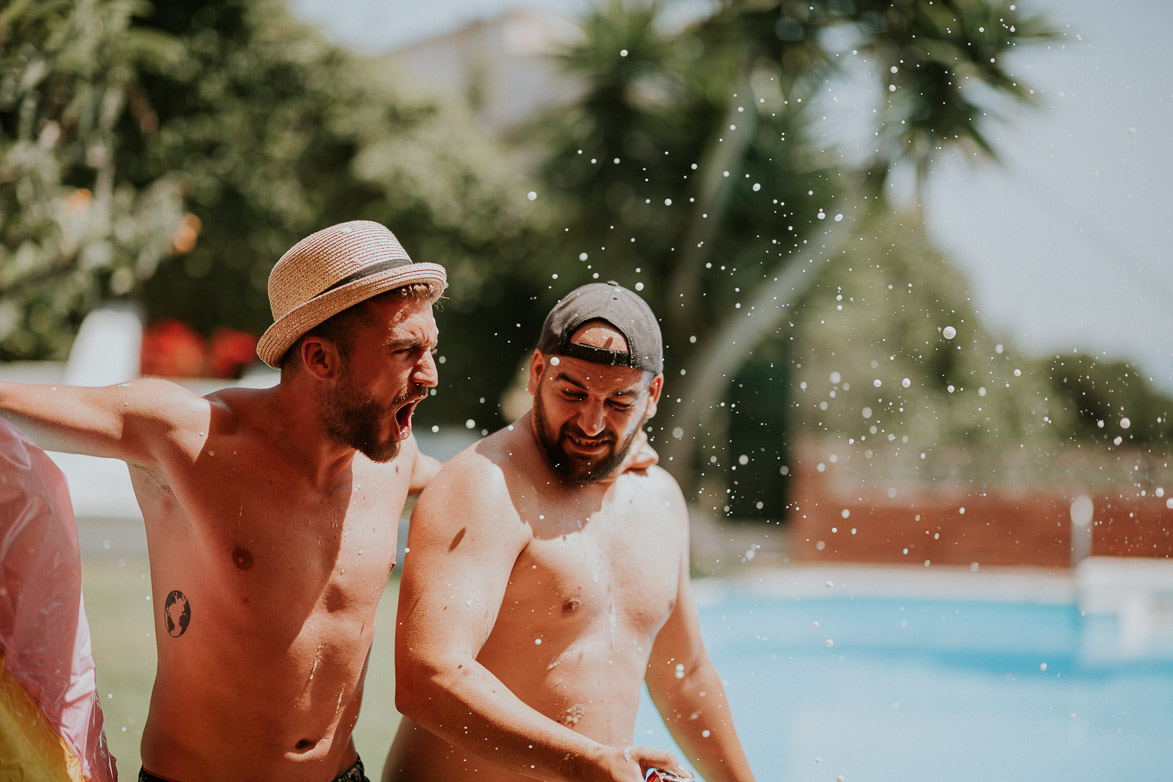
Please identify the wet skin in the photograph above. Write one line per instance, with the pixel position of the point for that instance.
(533, 607)
(270, 543)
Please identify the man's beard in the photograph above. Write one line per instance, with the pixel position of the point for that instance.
(573, 468)
(354, 418)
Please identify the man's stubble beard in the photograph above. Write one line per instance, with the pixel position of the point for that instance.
(353, 418)
(570, 468)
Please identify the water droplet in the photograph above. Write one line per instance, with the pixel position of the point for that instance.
(948, 332)
(554, 361)
(830, 642)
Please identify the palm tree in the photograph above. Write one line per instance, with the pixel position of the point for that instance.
(700, 152)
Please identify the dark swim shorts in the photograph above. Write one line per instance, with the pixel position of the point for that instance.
(354, 774)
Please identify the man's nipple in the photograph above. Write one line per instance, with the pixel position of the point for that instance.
(571, 606)
(242, 558)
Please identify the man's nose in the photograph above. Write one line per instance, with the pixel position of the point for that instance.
(425, 373)
(591, 418)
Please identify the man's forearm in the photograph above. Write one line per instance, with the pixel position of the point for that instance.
(697, 715)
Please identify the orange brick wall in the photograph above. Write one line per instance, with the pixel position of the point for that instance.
(957, 527)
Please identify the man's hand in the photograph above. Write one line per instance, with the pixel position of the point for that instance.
(650, 758)
(630, 764)
(641, 455)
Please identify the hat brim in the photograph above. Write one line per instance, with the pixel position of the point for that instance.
(286, 330)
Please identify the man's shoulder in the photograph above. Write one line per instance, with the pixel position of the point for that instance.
(654, 485)
(478, 466)
(654, 477)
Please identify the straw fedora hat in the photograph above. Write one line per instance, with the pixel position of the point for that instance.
(331, 270)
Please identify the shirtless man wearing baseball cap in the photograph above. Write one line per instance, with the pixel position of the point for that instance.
(271, 514)
(543, 586)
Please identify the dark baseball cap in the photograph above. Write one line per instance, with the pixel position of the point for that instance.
(610, 302)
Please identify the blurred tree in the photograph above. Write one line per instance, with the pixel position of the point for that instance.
(213, 135)
(73, 230)
(892, 358)
(278, 133)
(692, 166)
(1109, 401)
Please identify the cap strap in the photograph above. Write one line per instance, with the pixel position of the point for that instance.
(611, 358)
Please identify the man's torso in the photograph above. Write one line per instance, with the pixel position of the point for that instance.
(265, 588)
(586, 597)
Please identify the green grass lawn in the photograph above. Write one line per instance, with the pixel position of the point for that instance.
(117, 600)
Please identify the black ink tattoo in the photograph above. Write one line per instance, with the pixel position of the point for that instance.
(177, 613)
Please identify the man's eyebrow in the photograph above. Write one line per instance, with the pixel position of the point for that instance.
(411, 342)
(565, 378)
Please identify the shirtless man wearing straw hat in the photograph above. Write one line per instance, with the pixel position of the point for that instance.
(543, 585)
(271, 515)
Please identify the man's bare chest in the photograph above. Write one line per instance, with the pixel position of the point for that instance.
(263, 524)
(615, 568)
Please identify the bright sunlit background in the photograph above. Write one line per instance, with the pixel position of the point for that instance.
(923, 422)
(1067, 241)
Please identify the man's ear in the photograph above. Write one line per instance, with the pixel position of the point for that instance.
(654, 389)
(537, 367)
(320, 357)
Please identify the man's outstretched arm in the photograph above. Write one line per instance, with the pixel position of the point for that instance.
(125, 421)
(465, 538)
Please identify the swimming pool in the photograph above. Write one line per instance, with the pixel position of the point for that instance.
(934, 686)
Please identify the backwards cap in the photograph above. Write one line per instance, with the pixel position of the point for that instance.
(610, 302)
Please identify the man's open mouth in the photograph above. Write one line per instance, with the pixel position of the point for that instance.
(403, 417)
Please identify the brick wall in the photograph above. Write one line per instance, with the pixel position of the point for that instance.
(835, 520)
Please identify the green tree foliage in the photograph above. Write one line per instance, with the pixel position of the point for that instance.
(1109, 401)
(695, 165)
(890, 353)
(208, 137)
(73, 230)
(278, 133)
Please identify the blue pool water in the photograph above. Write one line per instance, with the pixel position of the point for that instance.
(924, 689)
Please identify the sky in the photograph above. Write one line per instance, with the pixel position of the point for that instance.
(1066, 242)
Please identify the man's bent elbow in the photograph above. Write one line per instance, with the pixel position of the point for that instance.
(417, 686)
